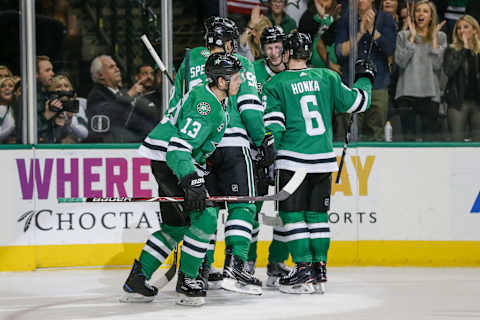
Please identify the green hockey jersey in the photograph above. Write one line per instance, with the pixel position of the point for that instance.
(244, 109)
(189, 135)
(195, 74)
(263, 73)
(245, 112)
(299, 108)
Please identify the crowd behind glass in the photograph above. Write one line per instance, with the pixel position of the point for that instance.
(427, 86)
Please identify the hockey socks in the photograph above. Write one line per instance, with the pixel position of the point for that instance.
(278, 251)
(196, 241)
(297, 235)
(252, 252)
(238, 231)
(319, 230)
(158, 248)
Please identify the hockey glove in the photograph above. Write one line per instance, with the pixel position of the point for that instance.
(195, 192)
(365, 69)
(267, 150)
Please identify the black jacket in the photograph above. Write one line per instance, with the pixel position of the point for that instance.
(118, 117)
(453, 63)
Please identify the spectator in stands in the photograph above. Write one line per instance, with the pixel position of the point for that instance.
(244, 41)
(400, 15)
(79, 122)
(322, 30)
(115, 115)
(454, 10)
(146, 75)
(462, 67)
(5, 72)
(278, 17)
(392, 7)
(419, 55)
(7, 119)
(371, 123)
(403, 13)
(44, 80)
(254, 30)
(58, 116)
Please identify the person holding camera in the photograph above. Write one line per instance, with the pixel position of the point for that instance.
(75, 105)
(60, 107)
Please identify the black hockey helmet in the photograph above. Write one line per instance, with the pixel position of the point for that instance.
(299, 45)
(219, 30)
(221, 64)
(271, 35)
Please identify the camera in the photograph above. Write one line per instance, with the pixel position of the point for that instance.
(69, 105)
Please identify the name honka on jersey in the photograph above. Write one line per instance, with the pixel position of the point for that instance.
(299, 108)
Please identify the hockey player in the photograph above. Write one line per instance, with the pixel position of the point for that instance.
(186, 138)
(299, 107)
(231, 171)
(220, 35)
(271, 42)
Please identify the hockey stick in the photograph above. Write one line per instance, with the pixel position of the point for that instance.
(350, 120)
(186, 73)
(168, 276)
(273, 220)
(172, 271)
(155, 57)
(289, 188)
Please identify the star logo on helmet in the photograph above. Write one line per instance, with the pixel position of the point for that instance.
(203, 108)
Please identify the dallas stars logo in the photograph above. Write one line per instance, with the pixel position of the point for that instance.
(205, 53)
(203, 108)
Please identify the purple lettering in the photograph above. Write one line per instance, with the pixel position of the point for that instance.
(64, 177)
(26, 183)
(42, 183)
(138, 176)
(89, 177)
(116, 179)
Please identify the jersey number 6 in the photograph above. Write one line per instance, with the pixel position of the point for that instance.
(308, 116)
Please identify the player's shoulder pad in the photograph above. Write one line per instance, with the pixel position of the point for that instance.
(245, 62)
(326, 73)
(203, 51)
(202, 101)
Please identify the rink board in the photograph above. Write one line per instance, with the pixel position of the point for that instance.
(395, 205)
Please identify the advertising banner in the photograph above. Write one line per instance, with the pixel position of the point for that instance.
(384, 194)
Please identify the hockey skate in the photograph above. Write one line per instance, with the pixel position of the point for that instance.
(136, 287)
(299, 280)
(236, 278)
(190, 291)
(275, 271)
(203, 275)
(320, 269)
(215, 278)
(251, 267)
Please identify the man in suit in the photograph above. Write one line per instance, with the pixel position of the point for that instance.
(115, 115)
